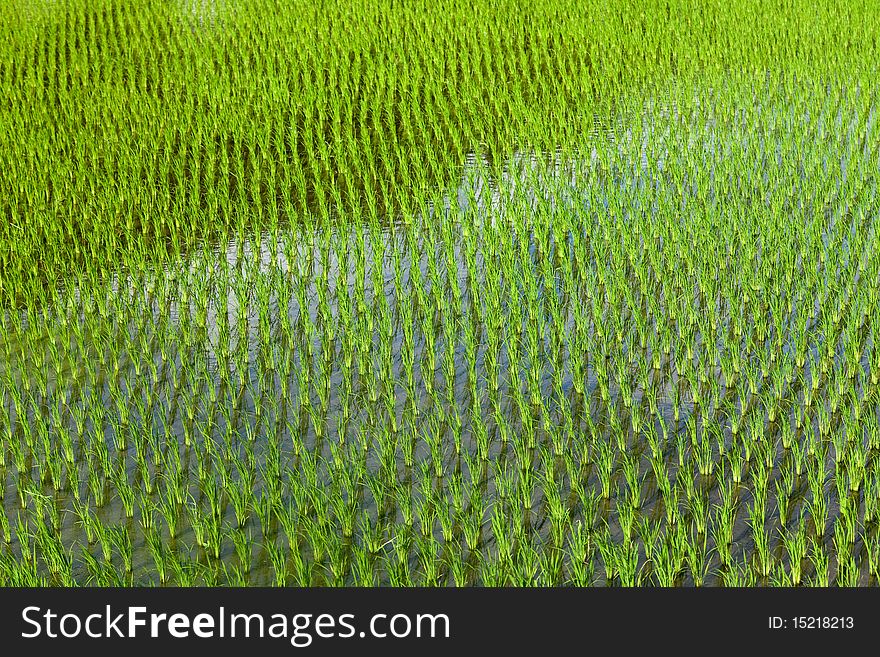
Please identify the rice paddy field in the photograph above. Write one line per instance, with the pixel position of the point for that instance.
(444, 293)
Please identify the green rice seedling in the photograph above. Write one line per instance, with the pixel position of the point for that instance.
(818, 504)
(795, 543)
(490, 573)
(631, 471)
(606, 547)
(86, 519)
(856, 462)
(458, 570)
(699, 509)
(184, 572)
(780, 577)
(658, 462)
(798, 452)
(871, 498)
(722, 532)
(764, 560)
(626, 516)
(848, 571)
(627, 558)
(581, 554)
(242, 541)
(872, 556)
(605, 464)
(363, 567)
(100, 574)
(820, 561)
(446, 526)
(501, 535)
(704, 454)
(681, 447)
(783, 498)
(278, 561)
(58, 560)
(531, 567)
(5, 528)
(848, 521)
(102, 537)
(125, 493)
(668, 556)
(427, 554)
(398, 569)
(697, 558)
(234, 574)
(526, 485)
(120, 537)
